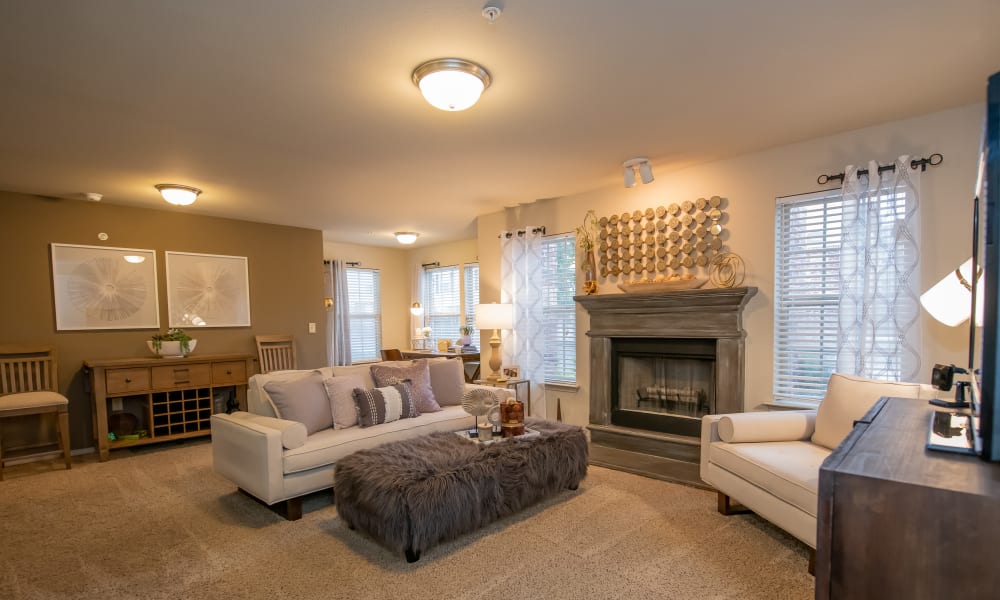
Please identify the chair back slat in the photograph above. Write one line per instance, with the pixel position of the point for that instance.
(27, 369)
(276, 353)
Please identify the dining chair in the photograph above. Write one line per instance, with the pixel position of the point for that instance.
(28, 383)
(392, 354)
(276, 353)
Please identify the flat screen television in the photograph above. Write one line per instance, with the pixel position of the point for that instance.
(986, 399)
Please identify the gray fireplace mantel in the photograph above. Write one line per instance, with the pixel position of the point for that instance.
(704, 313)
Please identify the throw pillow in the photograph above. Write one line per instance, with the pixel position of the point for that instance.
(303, 400)
(385, 404)
(341, 393)
(447, 380)
(847, 399)
(417, 372)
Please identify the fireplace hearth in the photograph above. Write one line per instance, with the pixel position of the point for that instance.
(658, 363)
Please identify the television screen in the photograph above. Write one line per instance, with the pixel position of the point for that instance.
(988, 408)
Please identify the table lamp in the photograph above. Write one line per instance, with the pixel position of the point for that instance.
(496, 317)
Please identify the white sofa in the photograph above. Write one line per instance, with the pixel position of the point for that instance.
(275, 461)
(769, 461)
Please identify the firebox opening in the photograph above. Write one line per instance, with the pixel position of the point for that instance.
(663, 385)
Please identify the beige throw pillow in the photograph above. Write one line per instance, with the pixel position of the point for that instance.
(341, 393)
(417, 373)
(447, 380)
(847, 399)
(303, 400)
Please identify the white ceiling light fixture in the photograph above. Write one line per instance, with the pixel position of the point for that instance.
(177, 194)
(645, 171)
(451, 84)
(406, 237)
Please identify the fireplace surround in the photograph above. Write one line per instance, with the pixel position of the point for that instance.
(644, 415)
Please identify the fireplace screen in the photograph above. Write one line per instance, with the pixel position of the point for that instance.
(663, 385)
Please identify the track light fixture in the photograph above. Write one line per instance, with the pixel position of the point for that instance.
(645, 171)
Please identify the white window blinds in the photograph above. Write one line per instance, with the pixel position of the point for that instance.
(442, 303)
(364, 298)
(559, 309)
(808, 235)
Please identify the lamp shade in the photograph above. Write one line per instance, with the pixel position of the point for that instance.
(495, 316)
(950, 300)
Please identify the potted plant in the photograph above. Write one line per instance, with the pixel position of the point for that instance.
(175, 343)
(466, 339)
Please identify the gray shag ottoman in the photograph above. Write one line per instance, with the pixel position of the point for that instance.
(413, 494)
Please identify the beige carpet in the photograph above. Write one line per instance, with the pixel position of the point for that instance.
(158, 523)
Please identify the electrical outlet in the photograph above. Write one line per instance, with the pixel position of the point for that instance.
(312, 328)
(117, 404)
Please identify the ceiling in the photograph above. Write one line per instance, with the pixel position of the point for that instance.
(302, 112)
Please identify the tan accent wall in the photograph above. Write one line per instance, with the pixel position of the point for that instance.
(751, 183)
(286, 285)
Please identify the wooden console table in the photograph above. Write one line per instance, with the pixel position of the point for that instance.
(899, 521)
(167, 398)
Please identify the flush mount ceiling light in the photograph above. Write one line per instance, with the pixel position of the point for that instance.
(177, 194)
(406, 237)
(645, 171)
(451, 84)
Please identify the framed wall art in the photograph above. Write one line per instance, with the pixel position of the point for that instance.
(207, 290)
(96, 287)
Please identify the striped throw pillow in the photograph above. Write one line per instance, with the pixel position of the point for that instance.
(385, 404)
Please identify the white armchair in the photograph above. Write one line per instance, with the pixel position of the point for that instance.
(769, 461)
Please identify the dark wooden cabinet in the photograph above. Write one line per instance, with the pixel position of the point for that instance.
(899, 521)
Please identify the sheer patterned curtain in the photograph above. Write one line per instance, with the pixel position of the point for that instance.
(338, 321)
(521, 283)
(878, 334)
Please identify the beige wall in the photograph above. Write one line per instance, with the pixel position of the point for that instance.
(285, 268)
(751, 183)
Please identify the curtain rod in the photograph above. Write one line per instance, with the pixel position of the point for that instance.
(520, 232)
(922, 163)
(431, 264)
(348, 263)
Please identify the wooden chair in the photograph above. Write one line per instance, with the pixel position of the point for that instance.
(28, 384)
(392, 354)
(276, 353)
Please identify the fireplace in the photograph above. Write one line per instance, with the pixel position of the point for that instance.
(662, 384)
(658, 363)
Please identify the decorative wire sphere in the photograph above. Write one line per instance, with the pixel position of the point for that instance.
(727, 270)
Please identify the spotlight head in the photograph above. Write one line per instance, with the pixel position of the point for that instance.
(646, 172)
(629, 177)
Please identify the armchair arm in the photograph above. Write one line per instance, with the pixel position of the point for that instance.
(249, 452)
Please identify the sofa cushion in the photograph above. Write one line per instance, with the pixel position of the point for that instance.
(363, 371)
(788, 470)
(304, 400)
(340, 390)
(447, 380)
(847, 399)
(777, 426)
(385, 404)
(417, 372)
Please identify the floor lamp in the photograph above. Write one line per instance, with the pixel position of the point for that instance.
(496, 317)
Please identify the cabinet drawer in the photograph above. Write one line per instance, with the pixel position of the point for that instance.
(225, 373)
(192, 375)
(126, 380)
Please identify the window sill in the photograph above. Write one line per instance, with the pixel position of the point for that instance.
(562, 387)
(790, 405)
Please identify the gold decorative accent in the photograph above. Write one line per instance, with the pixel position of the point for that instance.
(687, 220)
(603, 222)
(661, 225)
(674, 223)
(649, 213)
(674, 210)
(700, 217)
(701, 203)
(613, 220)
(715, 202)
(661, 212)
(686, 206)
(727, 270)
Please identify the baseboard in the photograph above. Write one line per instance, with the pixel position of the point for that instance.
(647, 465)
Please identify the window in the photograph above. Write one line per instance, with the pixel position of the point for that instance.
(810, 240)
(450, 298)
(559, 309)
(365, 302)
